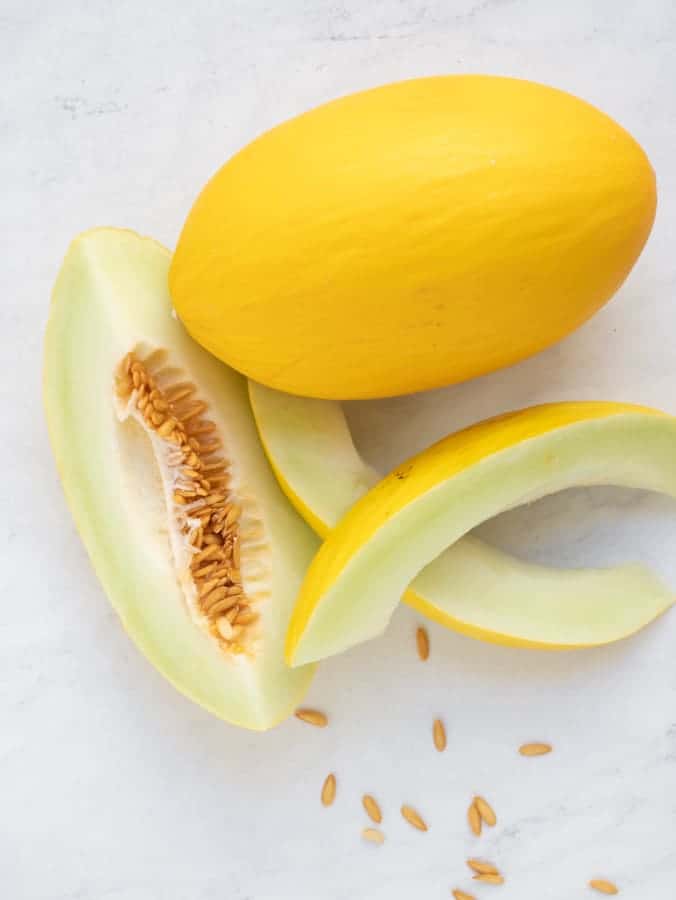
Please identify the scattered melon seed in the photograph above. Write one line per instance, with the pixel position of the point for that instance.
(370, 804)
(312, 717)
(489, 878)
(474, 818)
(423, 643)
(481, 867)
(439, 735)
(461, 895)
(603, 886)
(413, 818)
(374, 835)
(486, 812)
(535, 749)
(329, 790)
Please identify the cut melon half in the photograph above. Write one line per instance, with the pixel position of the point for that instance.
(470, 586)
(196, 546)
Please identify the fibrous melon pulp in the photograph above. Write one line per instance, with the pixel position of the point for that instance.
(196, 546)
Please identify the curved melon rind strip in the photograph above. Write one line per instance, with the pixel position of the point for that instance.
(496, 597)
(311, 451)
(431, 501)
(110, 294)
(470, 587)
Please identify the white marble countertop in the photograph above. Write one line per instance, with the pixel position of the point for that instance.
(114, 787)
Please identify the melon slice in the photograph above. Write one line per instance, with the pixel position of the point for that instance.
(196, 546)
(470, 587)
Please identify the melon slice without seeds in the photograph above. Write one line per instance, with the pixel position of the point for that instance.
(469, 586)
(196, 546)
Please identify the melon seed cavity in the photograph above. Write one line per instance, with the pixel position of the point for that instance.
(206, 512)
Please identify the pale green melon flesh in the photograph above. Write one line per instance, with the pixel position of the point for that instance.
(489, 592)
(629, 450)
(110, 298)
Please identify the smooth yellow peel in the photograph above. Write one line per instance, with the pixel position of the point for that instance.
(404, 237)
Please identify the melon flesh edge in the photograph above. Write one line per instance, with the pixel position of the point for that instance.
(470, 587)
(111, 296)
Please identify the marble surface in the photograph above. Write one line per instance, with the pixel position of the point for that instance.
(114, 787)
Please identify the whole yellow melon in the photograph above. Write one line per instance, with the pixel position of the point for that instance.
(412, 236)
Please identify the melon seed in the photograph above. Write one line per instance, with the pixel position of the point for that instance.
(474, 818)
(329, 790)
(535, 749)
(485, 810)
(312, 717)
(413, 818)
(370, 804)
(481, 867)
(423, 643)
(374, 835)
(603, 886)
(439, 735)
(489, 878)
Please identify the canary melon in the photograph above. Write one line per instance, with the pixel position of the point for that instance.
(411, 236)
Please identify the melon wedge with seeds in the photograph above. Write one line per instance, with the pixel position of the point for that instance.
(470, 587)
(428, 503)
(194, 543)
